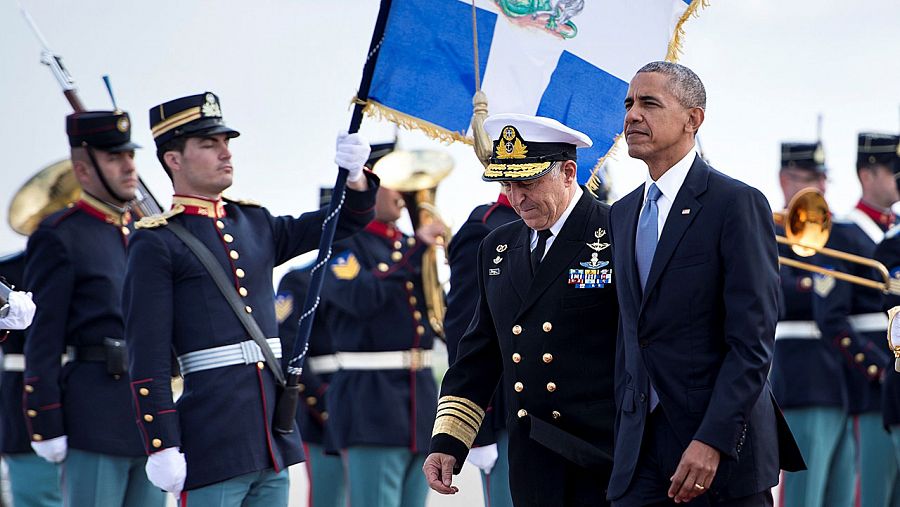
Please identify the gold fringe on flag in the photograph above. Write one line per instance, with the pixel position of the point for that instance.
(672, 54)
(381, 112)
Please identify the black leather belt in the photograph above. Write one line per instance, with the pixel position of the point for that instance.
(89, 353)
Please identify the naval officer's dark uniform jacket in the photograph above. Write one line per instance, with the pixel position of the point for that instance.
(14, 436)
(462, 255)
(550, 337)
(888, 253)
(223, 421)
(76, 268)
(376, 308)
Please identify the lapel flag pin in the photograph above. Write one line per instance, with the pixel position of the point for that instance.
(686, 211)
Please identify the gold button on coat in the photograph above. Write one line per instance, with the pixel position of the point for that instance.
(413, 300)
(382, 267)
(420, 330)
(220, 224)
(417, 315)
(311, 400)
(396, 256)
(29, 388)
(228, 238)
(846, 341)
(547, 327)
(551, 386)
(522, 412)
(37, 437)
(547, 358)
(32, 413)
(144, 391)
(519, 387)
(516, 357)
(324, 416)
(242, 291)
(517, 329)
(398, 245)
(125, 231)
(872, 370)
(261, 365)
(410, 241)
(157, 443)
(248, 309)
(234, 255)
(860, 357)
(410, 286)
(556, 414)
(239, 272)
(148, 417)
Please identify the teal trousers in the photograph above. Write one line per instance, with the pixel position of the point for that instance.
(385, 477)
(825, 438)
(326, 478)
(34, 482)
(495, 485)
(102, 480)
(877, 462)
(256, 489)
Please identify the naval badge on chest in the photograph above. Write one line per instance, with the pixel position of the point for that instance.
(595, 274)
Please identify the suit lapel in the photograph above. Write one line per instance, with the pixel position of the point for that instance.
(631, 210)
(519, 255)
(561, 253)
(677, 222)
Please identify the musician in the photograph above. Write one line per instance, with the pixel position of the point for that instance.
(807, 376)
(33, 480)
(888, 253)
(698, 292)
(382, 399)
(544, 323)
(216, 446)
(489, 451)
(80, 414)
(850, 315)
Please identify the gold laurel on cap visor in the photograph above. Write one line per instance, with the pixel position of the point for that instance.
(512, 172)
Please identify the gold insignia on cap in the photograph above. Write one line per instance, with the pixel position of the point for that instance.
(346, 269)
(510, 144)
(123, 124)
(211, 107)
(819, 155)
(284, 305)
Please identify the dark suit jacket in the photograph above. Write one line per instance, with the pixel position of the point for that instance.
(703, 332)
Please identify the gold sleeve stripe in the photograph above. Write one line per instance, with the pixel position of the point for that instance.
(471, 405)
(461, 409)
(460, 414)
(456, 428)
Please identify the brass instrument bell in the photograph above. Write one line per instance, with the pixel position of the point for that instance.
(48, 191)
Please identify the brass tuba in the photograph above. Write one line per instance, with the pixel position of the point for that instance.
(807, 226)
(416, 175)
(51, 189)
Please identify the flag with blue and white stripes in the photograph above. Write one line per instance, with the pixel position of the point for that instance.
(566, 59)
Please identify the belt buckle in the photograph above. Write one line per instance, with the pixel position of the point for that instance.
(416, 359)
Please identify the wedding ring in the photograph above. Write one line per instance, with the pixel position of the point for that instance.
(699, 486)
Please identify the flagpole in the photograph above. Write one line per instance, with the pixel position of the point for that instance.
(286, 408)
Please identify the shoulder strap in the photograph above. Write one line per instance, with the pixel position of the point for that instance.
(227, 289)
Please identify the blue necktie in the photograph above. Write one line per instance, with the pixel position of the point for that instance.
(647, 234)
(645, 247)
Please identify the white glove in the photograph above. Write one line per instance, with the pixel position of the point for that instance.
(352, 154)
(483, 457)
(21, 311)
(167, 470)
(53, 450)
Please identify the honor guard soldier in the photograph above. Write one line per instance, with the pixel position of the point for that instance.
(545, 323)
(850, 316)
(323, 461)
(887, 151)
(80, 414)
(194, 274)
(489, 451)
(382, 399)
(33, 480)
(807, 374)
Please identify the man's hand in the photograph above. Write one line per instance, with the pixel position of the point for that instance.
(433, 233)
(695, 472)
(438, 469)
(53, 450)
(352, 153)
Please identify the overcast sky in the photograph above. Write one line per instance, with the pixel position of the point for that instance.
(285, 72)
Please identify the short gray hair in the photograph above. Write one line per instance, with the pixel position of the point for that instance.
(683, 83)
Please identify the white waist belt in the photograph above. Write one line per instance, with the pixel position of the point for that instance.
(413, 359)
(324, 364)
(13, 362)
(809, 330)
(246, 352)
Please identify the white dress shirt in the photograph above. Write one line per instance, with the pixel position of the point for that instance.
(556, 227)
(669, 184)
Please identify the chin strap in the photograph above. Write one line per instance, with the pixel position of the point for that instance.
(90, 152)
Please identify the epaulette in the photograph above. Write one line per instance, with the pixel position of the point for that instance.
(893, 231)
(159, 220)
(242, 202)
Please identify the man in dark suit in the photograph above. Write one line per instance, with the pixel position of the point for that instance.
(544, 323)
(698, 289)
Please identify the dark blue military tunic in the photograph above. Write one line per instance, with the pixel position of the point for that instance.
(374, 293)
(76, 267)
(888, 253)
(312, 414)
(806, 371)
(223, 421)
(462, 255)
(14, 436)
(836, 305)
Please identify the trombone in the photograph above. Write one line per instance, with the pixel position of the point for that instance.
(807, 226)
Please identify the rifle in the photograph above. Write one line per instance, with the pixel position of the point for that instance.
(144, 204)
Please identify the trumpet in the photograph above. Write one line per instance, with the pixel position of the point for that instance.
(51, 189)
(807, 227)
(416, 175)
